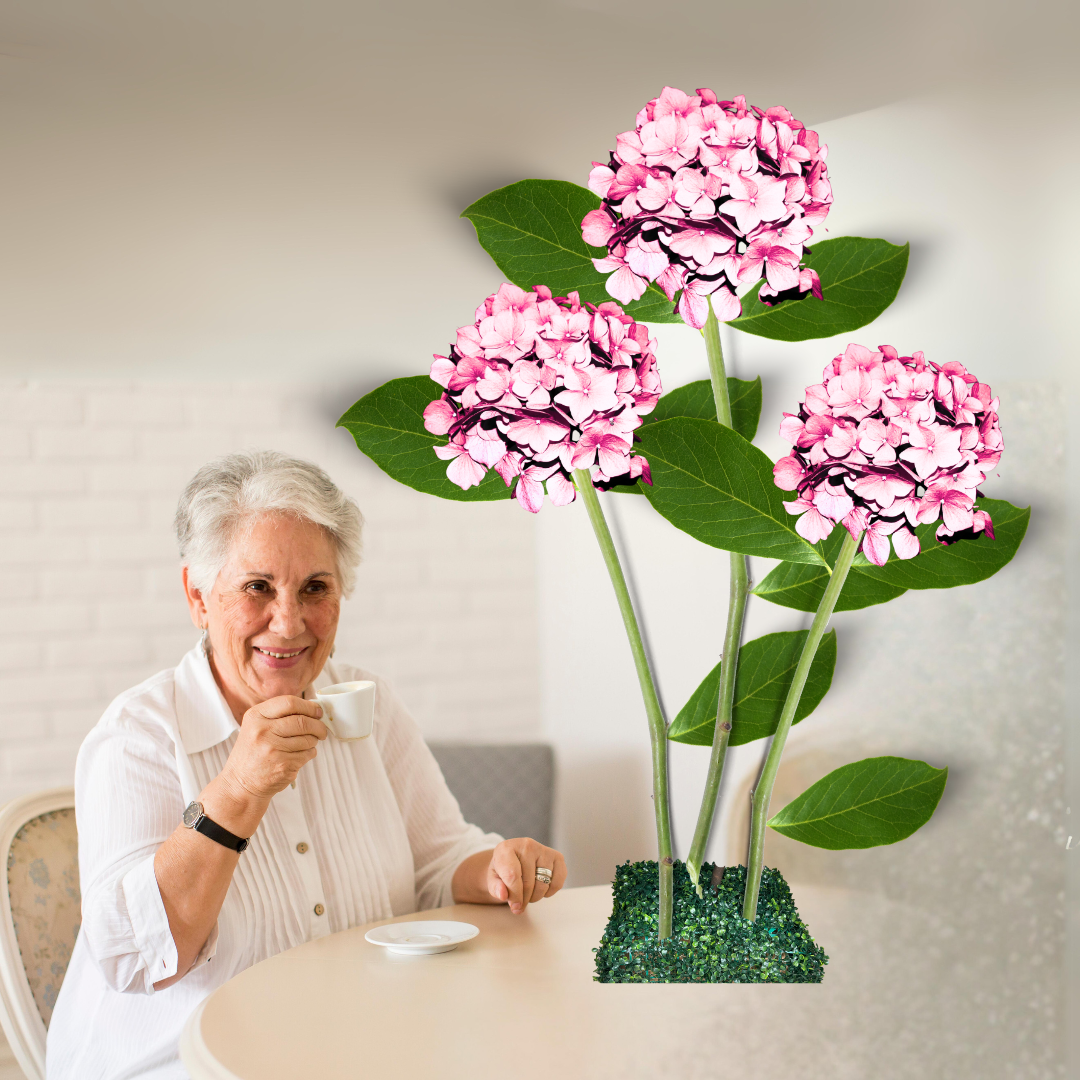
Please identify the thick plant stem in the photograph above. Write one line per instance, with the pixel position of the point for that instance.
(763, 790)
(739, 585)
(657, 727)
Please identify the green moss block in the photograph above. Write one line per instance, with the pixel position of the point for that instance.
(710, 940)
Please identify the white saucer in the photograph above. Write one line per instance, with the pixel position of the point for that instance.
(420, 938)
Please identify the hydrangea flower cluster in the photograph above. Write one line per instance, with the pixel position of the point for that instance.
(886, 442)
(706, 195)
(538, 386)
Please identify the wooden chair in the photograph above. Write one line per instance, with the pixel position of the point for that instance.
(40, 914)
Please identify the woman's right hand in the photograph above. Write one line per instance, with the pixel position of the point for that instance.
(277, 738)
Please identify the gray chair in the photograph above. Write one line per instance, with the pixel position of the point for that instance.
(505, 788)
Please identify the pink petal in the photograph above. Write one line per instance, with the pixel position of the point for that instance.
(465, 472)
(788, 472)
(438, 417)
(693, 307)
(905, 543)
(596, 228)
(626, 286)
(443, 370)
(813, 526)
(875, 547)
(530, 493)
(726, 305)
(561, 489)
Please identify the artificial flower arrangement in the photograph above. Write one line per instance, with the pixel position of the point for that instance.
(703, 212)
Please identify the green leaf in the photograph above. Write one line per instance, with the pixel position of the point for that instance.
(937, 566)
(859, 280)
(766, 668)
(745, 398)
(532, 229)
(941, 566)
(388, 426)
(802, 587)
(865, 804)
(715, 485)
(696, 399)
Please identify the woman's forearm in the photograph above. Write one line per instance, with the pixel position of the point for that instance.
(193, 872)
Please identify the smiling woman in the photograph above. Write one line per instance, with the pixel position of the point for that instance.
(216, 817)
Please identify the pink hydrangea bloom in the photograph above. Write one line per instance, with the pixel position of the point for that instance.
(541, 385)
(886, 442)
(706, 195)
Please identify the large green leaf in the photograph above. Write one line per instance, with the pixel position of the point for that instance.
(532, 229)
(859, 280)
(696, 399)
(388, 425)
(937, 566)
(715, 485)
(766, 667)
(865, 804)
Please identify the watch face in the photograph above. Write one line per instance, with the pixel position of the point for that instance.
(192, 814)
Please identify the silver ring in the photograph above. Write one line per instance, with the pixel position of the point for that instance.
(543, 875)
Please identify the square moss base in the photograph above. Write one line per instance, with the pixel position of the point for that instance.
(710, 940)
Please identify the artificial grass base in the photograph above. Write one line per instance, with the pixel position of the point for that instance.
(710, 940)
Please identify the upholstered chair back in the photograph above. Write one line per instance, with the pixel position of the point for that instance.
(40, 909)
(503, 788)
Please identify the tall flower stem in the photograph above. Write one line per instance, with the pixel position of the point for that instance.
(657, 727)
(763, 790)
(739, 584)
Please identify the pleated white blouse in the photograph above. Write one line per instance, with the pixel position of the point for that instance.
(369, 830)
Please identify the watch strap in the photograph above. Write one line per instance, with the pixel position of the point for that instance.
(222, 836)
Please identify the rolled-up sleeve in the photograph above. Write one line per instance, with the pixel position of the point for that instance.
(128, 801)
(440, 838)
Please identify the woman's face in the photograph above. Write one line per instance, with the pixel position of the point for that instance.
(273, 611)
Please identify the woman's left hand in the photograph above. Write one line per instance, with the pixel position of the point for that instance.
(511, 874)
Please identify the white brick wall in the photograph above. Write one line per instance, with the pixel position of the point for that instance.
(90, 598)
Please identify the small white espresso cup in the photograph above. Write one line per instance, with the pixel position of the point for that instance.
(348, 709)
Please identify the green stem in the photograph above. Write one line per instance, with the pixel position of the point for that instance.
(711, 333)
(657, 727)
(763, 791)
(739, 586)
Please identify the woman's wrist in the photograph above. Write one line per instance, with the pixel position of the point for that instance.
(232, 806)
(469, 883)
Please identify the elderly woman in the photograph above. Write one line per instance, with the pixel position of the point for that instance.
(218, 825)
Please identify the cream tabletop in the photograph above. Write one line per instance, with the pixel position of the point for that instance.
(519, 1001)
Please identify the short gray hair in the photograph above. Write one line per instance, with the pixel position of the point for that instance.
(230, 492)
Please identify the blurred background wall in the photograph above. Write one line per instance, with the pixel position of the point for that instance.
(222, 224)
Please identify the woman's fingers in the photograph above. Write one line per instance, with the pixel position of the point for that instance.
(548, 859)
(558, 871)
(513, 872)
(506, 866)
(288, 705)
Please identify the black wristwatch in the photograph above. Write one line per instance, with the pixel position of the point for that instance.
(194, 818)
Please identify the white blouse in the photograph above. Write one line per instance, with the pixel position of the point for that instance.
(370, 830)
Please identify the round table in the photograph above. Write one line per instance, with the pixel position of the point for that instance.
(519, 1001)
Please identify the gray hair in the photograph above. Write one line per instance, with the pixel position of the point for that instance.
(230, 492)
